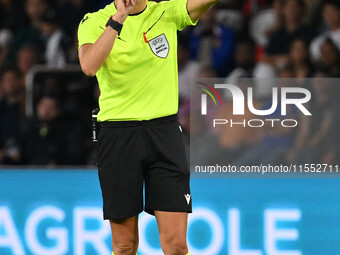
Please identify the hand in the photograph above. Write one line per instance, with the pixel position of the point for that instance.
(124, 8)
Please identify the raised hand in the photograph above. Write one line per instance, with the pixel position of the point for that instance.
(124, 8)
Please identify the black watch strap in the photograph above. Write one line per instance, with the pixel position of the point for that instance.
(114, 24)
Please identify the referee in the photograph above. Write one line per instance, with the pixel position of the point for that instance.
(131, 47)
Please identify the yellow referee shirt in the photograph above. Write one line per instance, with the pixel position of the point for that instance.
(139, 79)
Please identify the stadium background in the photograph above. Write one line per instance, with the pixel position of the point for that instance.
(46, 103)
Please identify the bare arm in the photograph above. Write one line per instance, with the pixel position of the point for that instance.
(197, 8)
(93, 56)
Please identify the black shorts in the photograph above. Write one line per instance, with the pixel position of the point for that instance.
(152, 152)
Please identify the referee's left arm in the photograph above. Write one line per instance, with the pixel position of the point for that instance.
(197, 8)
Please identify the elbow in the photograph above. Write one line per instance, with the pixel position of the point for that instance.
(88, 70)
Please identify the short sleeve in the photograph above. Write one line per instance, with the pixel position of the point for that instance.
(180, 14)
(88, 31)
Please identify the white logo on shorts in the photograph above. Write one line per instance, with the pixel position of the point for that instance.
(160, 46)
(187, 197)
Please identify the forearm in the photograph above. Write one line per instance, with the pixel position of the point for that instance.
(92, 57)
(97, 54)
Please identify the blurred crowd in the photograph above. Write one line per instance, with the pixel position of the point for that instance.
(236, 39)
(281, 39)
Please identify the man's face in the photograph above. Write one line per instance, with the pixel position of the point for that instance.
(329, 56)
(10, 83)
(47, 109)
(292, 11)
(298, 51)
(35, 9)
(331, 15)
(26, 60)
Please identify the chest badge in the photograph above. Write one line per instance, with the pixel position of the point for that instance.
(160, 46)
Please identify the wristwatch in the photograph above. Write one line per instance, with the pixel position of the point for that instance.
(114, 24)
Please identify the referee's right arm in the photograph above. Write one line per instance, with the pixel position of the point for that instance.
(93, 56)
